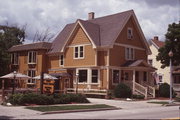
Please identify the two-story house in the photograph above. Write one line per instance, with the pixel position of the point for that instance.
(163, 74)
(94, 54)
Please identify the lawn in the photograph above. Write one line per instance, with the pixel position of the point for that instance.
(159, 102)
(68, 107)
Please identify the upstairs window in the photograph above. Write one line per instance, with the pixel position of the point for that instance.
(31, 73)
(15, 58)
(61, 61)
(129, 33)
(79, 52)
(129, 53)
(32, 57)
(94, 76)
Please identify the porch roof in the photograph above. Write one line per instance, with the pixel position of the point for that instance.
(138, 64)
(176, 71)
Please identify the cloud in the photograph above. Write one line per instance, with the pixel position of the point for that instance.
(153, 15)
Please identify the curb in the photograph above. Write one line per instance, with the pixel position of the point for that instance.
(172, 105)
(81, 110)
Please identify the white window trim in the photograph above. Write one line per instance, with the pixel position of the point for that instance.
(28, 57)
(98, 80)
(129, 36)
(160, 74)
(79, 52)
(61, 60)
(113, 76)
(30, 76)
(128, 56)
(77, 71)
(14, 59)
(149, 62)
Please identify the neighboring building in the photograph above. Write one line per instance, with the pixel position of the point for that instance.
(99, 53)
(163, 74)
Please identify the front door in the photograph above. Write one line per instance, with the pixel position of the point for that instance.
(137, 77)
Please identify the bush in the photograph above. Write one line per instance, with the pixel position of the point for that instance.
(164, 90)
(122, 91)
(138, 96)
(42, 99)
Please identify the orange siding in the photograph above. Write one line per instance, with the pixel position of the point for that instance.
(102, 58)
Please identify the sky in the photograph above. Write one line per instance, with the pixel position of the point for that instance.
(40, 15)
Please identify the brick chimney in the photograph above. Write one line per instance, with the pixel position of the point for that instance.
(156, 38)
(91, 15)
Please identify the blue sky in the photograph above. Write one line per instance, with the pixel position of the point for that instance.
(153, 15)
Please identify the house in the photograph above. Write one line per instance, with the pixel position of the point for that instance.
(92, 56)
(163, 74)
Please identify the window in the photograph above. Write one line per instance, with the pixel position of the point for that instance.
(160, 78)
(94, 76)
(79, 52)
(126, 76)
(82, 75)
(129, 33)
(145, 76)
(129, 53)
(14, 58)
(115, 76)
(32, 57)
(150, 61)
(177, 79)
(61, 62)
(31, 73)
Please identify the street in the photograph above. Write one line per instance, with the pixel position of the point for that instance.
(130, 110)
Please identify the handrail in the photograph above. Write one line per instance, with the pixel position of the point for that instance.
(141, 89)
(87, 91)
(151, 90)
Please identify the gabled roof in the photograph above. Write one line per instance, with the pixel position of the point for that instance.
(158, 44)
(102, 31)
(32, 46)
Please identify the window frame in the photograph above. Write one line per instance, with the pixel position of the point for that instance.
(15, 58)
(78, 52)
(129, 34)
(129, 53)
(86, 75)
(119, 76)
(61, 60)
(150, 63)
(96, 76)
(33, 53)
(31, 79)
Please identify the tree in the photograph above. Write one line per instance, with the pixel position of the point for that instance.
(172, 42)
(44, 36)
(9, 36)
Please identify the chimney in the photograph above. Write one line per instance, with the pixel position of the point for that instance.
(90, 15)
(156, 38)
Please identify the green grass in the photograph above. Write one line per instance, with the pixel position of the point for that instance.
(68, 107)
(159, 102)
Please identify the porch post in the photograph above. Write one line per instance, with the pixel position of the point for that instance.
(134, 76)
(3, 90)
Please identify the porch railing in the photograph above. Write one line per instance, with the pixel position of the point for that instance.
(140, 89)
(151, 90)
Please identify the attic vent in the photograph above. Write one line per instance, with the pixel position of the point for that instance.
(91, 15)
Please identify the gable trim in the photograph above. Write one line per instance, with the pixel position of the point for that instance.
(154, 44)
(77, 23)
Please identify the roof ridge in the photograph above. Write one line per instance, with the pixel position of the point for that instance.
(30, 44)
(111, 15)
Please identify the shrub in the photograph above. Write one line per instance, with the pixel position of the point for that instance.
(122, 91)
(138, 96)
(42, 99)
(164, 90)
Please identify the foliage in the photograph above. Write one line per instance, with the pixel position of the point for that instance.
(122, 91)
(172, 42)
(138, 96)
(164, 90)
(9, 36)
(42, 99)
